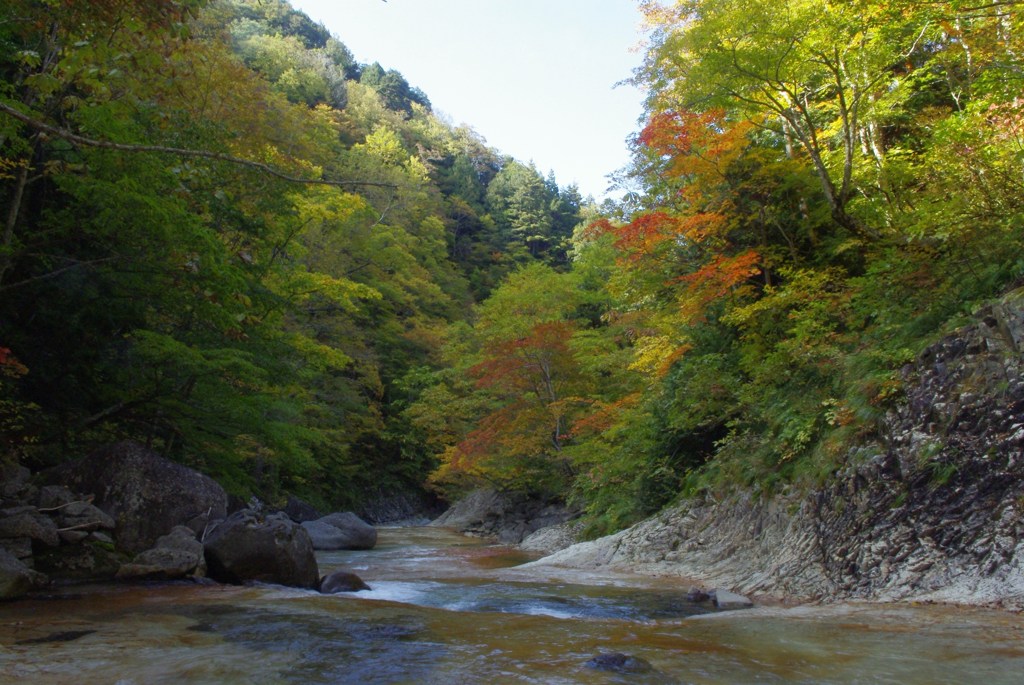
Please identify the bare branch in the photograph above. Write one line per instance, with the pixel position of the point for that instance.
(55, 273)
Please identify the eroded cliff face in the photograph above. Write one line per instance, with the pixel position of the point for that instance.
(934, 510)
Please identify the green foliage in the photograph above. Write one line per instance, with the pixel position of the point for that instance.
(283, 337)
(395, 92)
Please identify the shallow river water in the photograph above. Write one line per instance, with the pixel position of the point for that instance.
(448, 609)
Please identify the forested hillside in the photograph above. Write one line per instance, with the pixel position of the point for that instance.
(226, 238)
(820, 190)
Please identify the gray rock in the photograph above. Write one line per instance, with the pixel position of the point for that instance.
(552, 538)
(176, 555)
(507, 517)
(273, 549)
(82, 516)
(14, 480)
(83, 561)
(73, 536)
(18, 547)
(342, 581)
(400, 508)
(30, 524)
(101, 537)
(145, 494)
(16, 578)
(616, 662)
(54, 496)
(341, 531)
(726, 600)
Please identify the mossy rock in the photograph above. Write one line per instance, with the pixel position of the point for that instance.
(87, 560)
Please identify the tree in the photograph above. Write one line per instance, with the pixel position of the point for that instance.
(527, 381)
(813, 74)
(394, 90)
(520, 203)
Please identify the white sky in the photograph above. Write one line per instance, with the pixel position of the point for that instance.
(536, 78)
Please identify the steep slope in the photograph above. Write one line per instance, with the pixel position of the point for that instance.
(933, 510)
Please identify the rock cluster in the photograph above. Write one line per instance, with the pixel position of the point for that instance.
(48, 528)
(506, 517)
(147, 518)
(146, 494)
(175, 555)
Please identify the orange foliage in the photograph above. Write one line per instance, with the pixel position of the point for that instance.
(603, 416)
(9, 364)
(479, 442)
(522, 363)
(598, 228)
(696, 143)
(715, 280)
(640, 236)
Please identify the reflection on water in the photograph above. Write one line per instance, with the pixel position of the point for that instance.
(447, 609)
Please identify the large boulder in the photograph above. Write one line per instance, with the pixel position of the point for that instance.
(16, 578)
(342, 530)
(272, 549)
(146, 495)
(176, 555)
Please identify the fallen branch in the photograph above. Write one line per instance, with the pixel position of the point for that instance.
(47, 510)
(81, 525)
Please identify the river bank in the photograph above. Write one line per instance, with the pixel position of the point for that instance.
(931, 510)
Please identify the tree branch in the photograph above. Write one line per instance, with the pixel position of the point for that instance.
(55, 273)
(180, 152)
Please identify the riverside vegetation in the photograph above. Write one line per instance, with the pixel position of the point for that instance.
(226, 239)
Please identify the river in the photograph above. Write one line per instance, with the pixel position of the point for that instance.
(449, 609)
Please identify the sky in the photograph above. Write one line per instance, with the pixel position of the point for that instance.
(536, 78)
